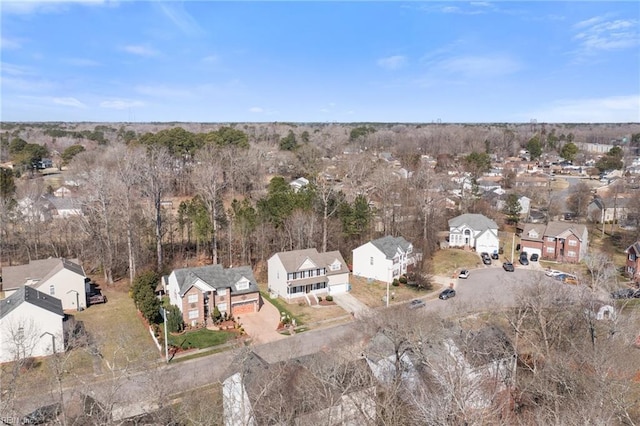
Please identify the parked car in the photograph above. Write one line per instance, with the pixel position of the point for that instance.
(486, 260)
(553, 273)
(570, 280)
(95, 299)
(447, 294)
(523, 258)
(534, 257)
(464, 274)
(416, 303)
(625, 293)
(508, 266)
(495, 255)
(45, 414)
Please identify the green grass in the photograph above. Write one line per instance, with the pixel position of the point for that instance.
(280, 305)
(200, 339)
(448, 261)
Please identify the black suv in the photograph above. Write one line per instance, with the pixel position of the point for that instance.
(523, 258)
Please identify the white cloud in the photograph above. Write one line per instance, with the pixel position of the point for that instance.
(82, 62)
(480, 66)
(10, 43)
(183, 20)
(612, 109)
(597, 34)
(392, 62)
(162, 91)
(256, 110)
(26, 7)
(121, 104)
(13, 69)
(136, 49)
(72, 102)
(210, 59)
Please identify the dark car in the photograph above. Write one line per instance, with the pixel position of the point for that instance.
(416, 303)
(626, 293)
(447, 294)
(486, 260)
(534, 257)
(42, 415)
(508, 266)
(523, 259)
(495, 255)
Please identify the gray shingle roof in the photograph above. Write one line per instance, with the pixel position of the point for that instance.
(477, 222)
(292, 260)
(30, 295)
(40, 270)
(554, 229)
(389, 245)
(217, 277)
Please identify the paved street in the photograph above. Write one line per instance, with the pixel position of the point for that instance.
(485, 289)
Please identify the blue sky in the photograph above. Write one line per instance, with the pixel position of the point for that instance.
(320, 61)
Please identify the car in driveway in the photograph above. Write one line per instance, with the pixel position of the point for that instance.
(495, 255)
(447, 294)
(416, 303)
(486, 259)
(464, 274)
(534, 257)
(508, 266)
(523, 259)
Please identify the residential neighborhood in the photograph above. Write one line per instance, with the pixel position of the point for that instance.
(263, 278)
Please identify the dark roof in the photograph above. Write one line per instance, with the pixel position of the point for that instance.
(217, 277)
(30, 295)
(389, 245)
(635, 247)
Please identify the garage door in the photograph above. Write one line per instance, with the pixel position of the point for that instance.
(243, 308)
(531, 251)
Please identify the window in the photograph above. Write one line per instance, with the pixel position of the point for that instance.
(222, 307)
(571, 254)
(551, 250)
(221, 291)
(550, 239)
(193, 298)
(573, 243)
(52, 290)
(194, 314)
(335, 266)
(371, 260)
(242, 285)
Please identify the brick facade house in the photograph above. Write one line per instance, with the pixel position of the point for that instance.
(198, 291)
(632, 265)
(557, 241)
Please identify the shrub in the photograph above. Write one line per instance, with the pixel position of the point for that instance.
(216, 315)
(395, 282)
(403, 279)
(319, 298)
(329, 298)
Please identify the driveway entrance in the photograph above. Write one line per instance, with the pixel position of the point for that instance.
(261, 326)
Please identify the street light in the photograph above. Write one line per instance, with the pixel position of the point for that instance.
(166, 337)
(53, 340)
(77, 299)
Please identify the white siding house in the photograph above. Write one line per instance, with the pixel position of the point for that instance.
(296, 273)
(474, 231)
(31, 325)
(383, 259)
(61, 278)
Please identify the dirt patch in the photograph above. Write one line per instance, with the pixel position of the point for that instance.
(372, 293)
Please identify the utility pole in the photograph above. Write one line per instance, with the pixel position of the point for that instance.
(513, 246)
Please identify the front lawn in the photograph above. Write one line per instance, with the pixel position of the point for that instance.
(448, 261)
(372, 293)
(200, 339)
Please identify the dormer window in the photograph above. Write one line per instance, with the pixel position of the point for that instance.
(533, 234)
(335, 266)
(243, 284)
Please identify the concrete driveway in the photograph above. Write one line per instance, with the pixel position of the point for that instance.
(261, 325)
(352, 305)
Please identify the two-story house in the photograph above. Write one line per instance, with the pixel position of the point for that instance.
(198, 291)
(62, 278)
(474, 231)
(632, 266)
(293, 274)
(558, 241)
(384, 259)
